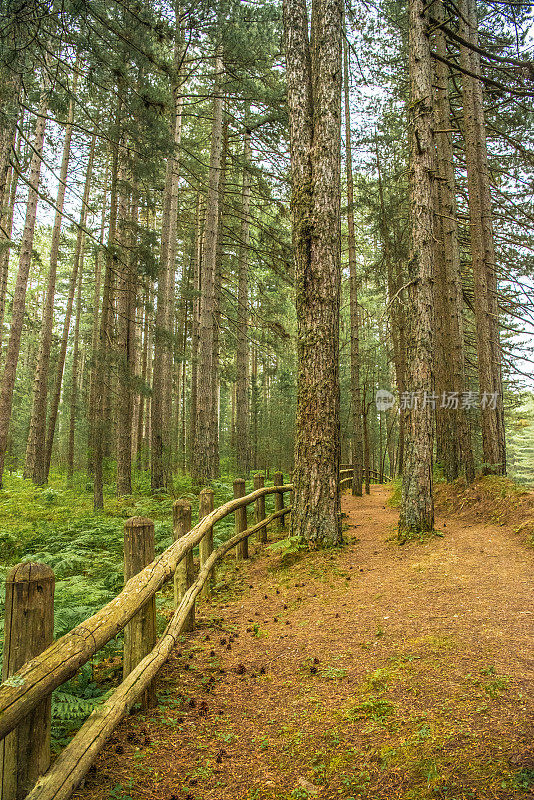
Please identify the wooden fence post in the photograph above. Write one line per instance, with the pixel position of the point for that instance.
(140, 632)
(240, 515)
(278, 480)
(29, 629)
(185, 571)
(259, 483)
(206, 543)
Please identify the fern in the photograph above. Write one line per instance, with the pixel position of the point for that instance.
(68, 707)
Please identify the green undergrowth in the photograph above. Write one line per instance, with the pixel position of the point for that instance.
(56, 525)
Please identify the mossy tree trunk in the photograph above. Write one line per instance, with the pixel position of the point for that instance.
(314, 70)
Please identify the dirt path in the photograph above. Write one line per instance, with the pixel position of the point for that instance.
(374, 671)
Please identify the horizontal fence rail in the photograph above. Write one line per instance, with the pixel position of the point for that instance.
(346, 473)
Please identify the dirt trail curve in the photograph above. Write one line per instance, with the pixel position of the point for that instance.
(374, 671)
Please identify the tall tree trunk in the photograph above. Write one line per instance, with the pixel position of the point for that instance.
(35, 449)
(74, 374)
(195, 322)
(455, 450)
(219, 258)
(148, 400)
(144, 365)
(396, 309)
(125, 331)
(482, 250)
(19, 297)
(314, 71)
(417, 508)
(163, 351)
(203, 466)
(7, 229)
(242, 356)
(366, 453)
(99, 256)
(101, 365)
(254, 409)
(9, 114)
(357, 433)
(78, 257)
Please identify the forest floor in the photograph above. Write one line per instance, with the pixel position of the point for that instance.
(371, 671)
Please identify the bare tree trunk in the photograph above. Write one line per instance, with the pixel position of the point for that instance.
(78, 257)
(455, 452)
(242, 356)
(148, 401)
(106, 318)
(19, 297)
(195, 321)
(482, 251)
(255, 403)
(366, 453)
(219, 258)
(417, 508)
(95, 328)
(396, 309)
(10, 143)
(7, 229)
(8, 125)
(203, 466)
(74, 374)
(35, 449)
(357, 433)
(125, 335)
(144, 365)
(163, 351)
(314, 71)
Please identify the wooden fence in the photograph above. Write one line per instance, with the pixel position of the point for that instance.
(346, 474)
(34, 665)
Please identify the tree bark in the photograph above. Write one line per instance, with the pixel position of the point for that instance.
(417, 508)
(195, 320)
(357, 433)
(454, 449)
(99, 255)
(219, 258)
(242, 356)
(101, 364)
(35, 449)
(7, 228)
(482, 250)
(19, 297)
(44, 465)
(126, 294)
(314, 70)
(203, 467)
(144, 374)
(74, 374)
(163, 334)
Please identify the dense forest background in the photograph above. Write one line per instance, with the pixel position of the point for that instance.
(146, 278)
(169, 279)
